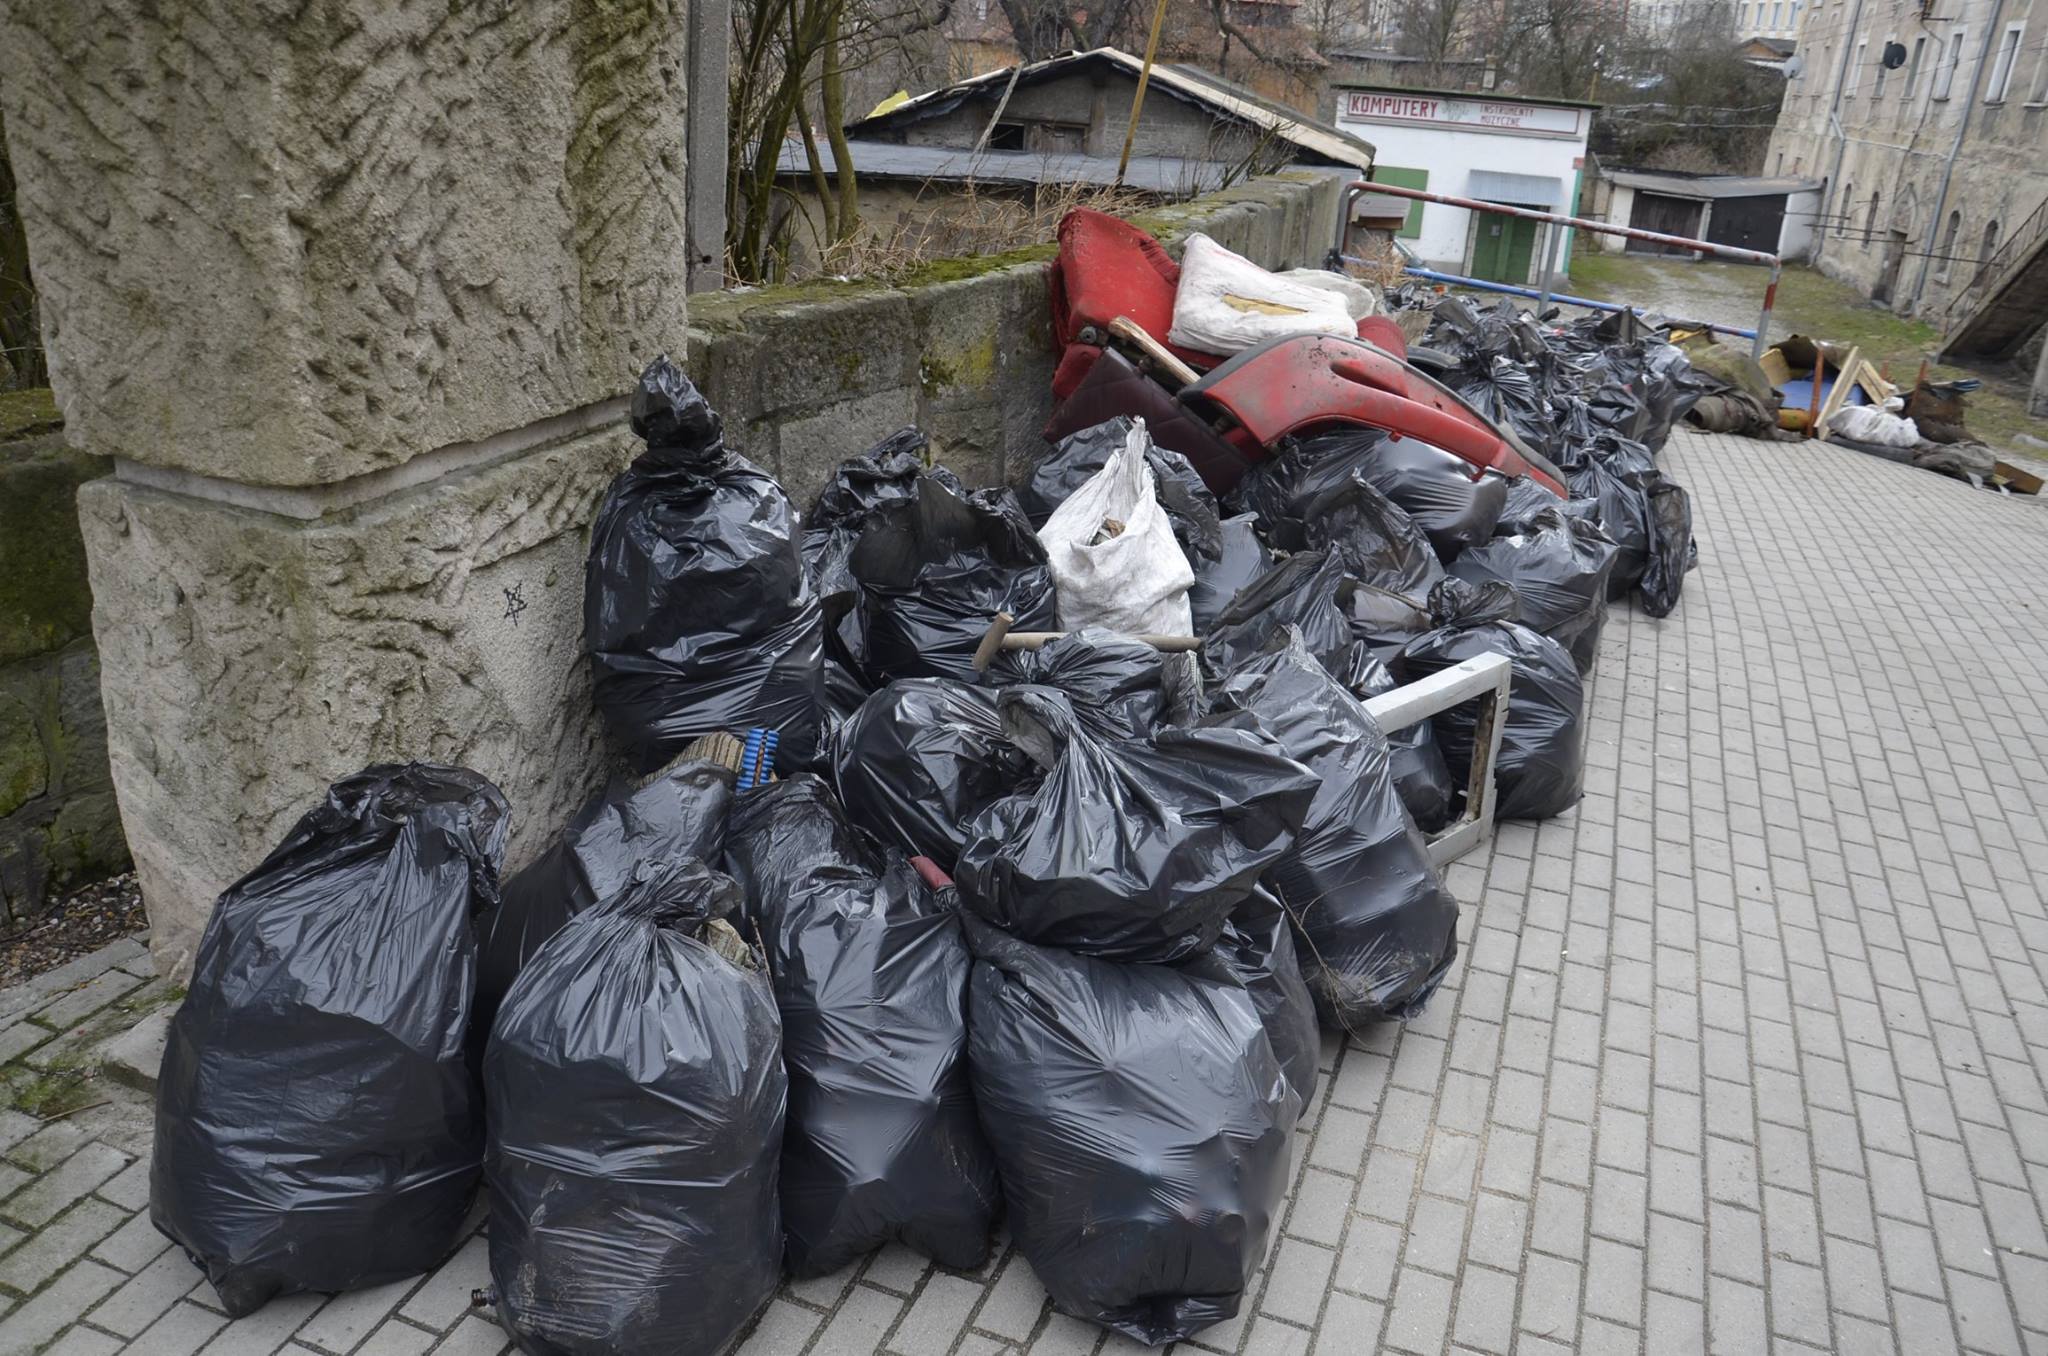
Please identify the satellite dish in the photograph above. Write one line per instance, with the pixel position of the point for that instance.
(1794, 64)
(1894, 55)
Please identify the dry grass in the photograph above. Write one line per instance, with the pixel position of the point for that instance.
(962, 221)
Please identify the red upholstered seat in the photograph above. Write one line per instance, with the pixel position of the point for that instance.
(1108, 268)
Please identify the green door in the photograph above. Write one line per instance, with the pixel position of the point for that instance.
(1503, 249)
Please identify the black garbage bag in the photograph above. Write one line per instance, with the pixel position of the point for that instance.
(1115, 682)
(1558, 567)
(920, 759)
(1540, 770)
(319, 1125)
(1597, 470)
(934, 569)
(698, 613)
(1141, 1127)
(1421, 777)
(1133, 850)
(1528, 501)
(636, 1098)
(1311, 591)
(1434, 487)
(1377, 929)
(1510, 393)
(1242, 562)
(1189, 503)
(870, 971)
(1379, 543)
(1258, 947)
(886, 473)
(1672, 550)
(676, 812)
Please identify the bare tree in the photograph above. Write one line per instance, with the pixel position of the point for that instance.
(21, 343)
(786, 55)
(1045, 27)
(1435, 31)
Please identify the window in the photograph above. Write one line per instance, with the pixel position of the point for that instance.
(2040, 94)
(1985, 251)
(2002, 62)
(1846, 211)
(1780, 167)
(1854, 85)
(1951, 62)
(1778, 15)
(1877, 77)
(1947, 253)
(1870, 217)
(1008, 136)
(1913, 69)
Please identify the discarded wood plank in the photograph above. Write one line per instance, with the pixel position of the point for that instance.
(1838, 394)
(2018, 480)
(1131, 332)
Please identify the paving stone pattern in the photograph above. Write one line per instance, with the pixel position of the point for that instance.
(1745, 1055)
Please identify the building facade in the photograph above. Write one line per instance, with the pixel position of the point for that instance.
(1929, 127)
(1520, 152)
(1769, 19)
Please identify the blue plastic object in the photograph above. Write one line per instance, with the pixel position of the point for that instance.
(757, 759)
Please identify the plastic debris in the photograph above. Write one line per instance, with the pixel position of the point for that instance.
(870, 972)
(698, 613)
(327, 1028)
(636, 1098)
(1141, 1126)
(1134, 850)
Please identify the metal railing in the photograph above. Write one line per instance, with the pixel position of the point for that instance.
(1763, 322)
(1991, 271)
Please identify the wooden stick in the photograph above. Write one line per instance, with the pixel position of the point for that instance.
(998, 630)
(1033, 640)
(1131, 332)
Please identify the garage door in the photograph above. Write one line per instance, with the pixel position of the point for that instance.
(1670, 216)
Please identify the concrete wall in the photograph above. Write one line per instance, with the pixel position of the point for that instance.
(809, 375)
(1896, 143)
(58, 821)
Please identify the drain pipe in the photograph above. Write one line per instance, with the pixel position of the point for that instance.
(1841, 137)
(1948, 168)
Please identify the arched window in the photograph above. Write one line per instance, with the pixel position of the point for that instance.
(1870, 217)
(1846, 212)
(1947, 253)
(1985, 251)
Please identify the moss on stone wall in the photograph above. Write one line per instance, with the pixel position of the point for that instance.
(45, 601)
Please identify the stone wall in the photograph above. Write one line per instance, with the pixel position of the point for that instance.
(58, 821)
(352, 294)
(809, 375)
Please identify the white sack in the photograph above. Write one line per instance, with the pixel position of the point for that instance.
(1868, 424)
(1227, 303)
(1133, 580)
(1359, 300)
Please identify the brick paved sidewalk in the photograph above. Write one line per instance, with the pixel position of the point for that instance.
(1745, 1055)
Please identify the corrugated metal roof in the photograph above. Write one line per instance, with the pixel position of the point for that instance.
(1711, 185)
(1317, 138)
(1168, 175)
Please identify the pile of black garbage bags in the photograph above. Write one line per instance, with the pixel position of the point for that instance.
(1597, 399)
(1047, 941)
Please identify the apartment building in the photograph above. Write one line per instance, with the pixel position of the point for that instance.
(1927, 120)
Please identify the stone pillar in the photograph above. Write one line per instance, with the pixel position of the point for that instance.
(351, 293)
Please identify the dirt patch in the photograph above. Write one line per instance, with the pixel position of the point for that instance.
(82, 922)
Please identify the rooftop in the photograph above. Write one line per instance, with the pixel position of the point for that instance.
(1314, 142)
